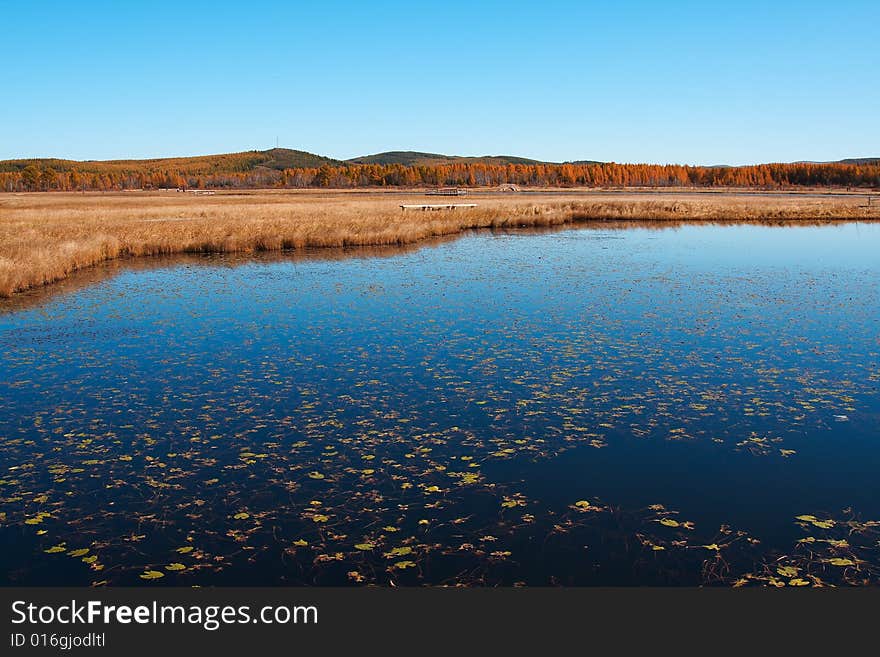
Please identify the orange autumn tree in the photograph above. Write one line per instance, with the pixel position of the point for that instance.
(219, 172)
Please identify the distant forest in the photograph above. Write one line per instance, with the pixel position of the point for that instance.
(283, 168)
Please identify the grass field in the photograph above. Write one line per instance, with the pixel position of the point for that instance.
(44, 237)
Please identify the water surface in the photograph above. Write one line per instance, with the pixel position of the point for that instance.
(693, 405)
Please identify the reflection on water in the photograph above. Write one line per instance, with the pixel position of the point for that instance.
(593, 406)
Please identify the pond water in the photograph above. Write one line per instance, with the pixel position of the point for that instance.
(594, 406)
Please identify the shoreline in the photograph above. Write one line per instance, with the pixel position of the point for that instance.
(46, 237)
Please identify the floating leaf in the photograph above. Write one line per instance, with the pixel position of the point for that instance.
(398, 552)
(152, 574)
(841, 561)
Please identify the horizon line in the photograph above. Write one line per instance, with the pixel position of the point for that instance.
(350, 160)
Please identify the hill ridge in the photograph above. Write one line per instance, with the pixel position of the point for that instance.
(279, 159)
(238, 162)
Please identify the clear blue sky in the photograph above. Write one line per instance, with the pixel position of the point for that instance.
(687, 82)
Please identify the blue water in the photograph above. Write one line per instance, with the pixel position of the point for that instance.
(454, 403)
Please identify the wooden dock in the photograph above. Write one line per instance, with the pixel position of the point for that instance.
(447, 191)
(437, 206)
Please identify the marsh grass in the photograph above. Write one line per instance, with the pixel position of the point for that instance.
(46, 237)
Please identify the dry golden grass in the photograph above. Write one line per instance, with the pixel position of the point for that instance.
(46, 237)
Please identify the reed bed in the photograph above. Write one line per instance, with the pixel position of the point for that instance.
(46, 237)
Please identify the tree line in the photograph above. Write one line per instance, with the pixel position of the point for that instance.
(765, 176)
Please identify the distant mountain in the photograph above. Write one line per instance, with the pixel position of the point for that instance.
(278, 159)
(287, 168)
(852, 160)
(286, 158)
(275, 158)
(414, 158)
(259, 167)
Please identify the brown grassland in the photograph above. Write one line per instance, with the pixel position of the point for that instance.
(44, 237)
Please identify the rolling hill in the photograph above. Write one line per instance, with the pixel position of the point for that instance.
(275, 158)
(288, 168)
(852, 160)
(279, 159)
(415, 159)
